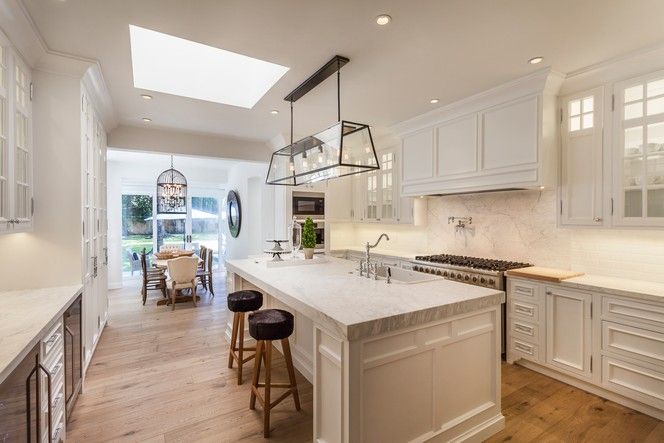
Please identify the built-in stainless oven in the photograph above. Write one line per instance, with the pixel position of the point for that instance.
(309, 204)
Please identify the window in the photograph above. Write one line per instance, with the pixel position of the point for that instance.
(581, 113)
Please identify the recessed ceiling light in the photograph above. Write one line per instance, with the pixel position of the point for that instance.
(383, 19)
(173, 65)
(433, 101)
(146, 120)
(146, 96)
(274, 112)
(535, 60)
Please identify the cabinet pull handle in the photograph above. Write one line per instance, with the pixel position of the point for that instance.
(549, 293)
(524, 329)
(71, 334)
(597, 219)
(38, 366)
(523, 348)
(523, 309)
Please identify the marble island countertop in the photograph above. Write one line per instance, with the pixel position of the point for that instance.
(25, 317)
(355, 307)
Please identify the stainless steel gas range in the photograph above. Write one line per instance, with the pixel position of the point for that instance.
(472, 270)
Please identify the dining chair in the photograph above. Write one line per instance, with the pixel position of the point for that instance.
(204, 274)
(202, 254)
(153, 278)
(134, 260)
(182, 275)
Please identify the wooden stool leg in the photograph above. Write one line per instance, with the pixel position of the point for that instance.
(291, 372)
(257, 372)
(240, 347)
(268, 373)
(233, 339)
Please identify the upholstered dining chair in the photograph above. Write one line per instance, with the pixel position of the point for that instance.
(153, 278)
(204, 274)
(182, 275)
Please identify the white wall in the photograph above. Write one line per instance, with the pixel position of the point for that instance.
(258, 208)
(520, 225)
(50, 255)
(179, 142)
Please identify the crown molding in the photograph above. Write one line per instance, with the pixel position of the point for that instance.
(24, 35)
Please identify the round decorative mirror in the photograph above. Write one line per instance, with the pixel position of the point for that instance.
(234, 211)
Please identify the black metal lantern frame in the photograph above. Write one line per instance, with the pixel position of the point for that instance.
(345, 148)
(171, 192)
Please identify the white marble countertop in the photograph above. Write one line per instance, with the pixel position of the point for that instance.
(25, 317)
(618, 286)
(358, 307)
(385, 251)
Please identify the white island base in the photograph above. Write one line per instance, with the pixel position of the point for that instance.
(436, 381)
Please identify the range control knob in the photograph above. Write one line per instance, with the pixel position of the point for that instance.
(482, 280)
(427, 270)
(439, 272)
(474, 279)
(459, 276)
(491, 281)
(445, 273)
(467, 277)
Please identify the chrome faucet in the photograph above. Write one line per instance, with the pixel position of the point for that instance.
(366, 265)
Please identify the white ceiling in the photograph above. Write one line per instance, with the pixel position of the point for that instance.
(446, 49)
(163, 161)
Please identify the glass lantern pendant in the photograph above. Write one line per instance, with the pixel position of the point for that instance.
(344, 148)
(171, 192)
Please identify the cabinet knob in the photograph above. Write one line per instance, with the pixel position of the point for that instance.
(597, 219)
(549, 292)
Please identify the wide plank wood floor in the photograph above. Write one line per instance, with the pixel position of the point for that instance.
(162, 376)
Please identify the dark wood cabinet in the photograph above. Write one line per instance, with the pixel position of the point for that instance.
(73, 353)
(19, 396)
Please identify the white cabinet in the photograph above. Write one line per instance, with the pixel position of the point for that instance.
(638, 151)
(456, 146)
(510, 134)
(339, 199)
(581, 160)
(568, 330)
(16, 148)
(504, 138)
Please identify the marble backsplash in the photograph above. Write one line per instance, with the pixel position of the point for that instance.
(521, 225)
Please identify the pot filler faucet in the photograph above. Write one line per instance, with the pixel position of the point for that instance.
(366, 265)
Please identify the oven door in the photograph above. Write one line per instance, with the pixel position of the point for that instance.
(308, 206)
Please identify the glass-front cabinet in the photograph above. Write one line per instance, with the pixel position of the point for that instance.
(16, 207)
(639, 151)
(379, 190)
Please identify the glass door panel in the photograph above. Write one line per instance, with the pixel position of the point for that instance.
(205, 225)
(171, 230)
(655, 170)
(137, 231)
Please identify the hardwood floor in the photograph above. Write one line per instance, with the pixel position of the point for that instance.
(162, 376)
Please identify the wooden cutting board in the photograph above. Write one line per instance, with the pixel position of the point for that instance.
(546, 274)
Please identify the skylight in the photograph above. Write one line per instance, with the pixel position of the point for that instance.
(181, 67)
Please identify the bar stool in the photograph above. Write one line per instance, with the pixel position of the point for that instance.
(265, 326)
(240, 302)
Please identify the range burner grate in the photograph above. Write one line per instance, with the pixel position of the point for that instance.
(472, 262)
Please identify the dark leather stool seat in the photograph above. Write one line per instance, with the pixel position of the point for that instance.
(245, 301)
(265, 326)
(271, 324)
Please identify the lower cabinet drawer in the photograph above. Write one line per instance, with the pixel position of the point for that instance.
(633, 381)
(523, 349)
(630, 341)
(523, 310)
(524, 330)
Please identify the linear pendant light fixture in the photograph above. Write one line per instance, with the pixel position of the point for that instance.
(344, 148)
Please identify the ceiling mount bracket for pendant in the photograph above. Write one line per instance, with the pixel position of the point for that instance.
(344, 148)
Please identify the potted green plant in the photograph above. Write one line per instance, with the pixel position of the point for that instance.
(308, 238)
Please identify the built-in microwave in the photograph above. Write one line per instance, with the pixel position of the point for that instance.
(309, 204)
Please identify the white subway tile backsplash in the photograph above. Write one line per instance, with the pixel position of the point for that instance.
(521, 225)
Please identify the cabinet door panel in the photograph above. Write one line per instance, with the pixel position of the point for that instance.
(568, 330)
(418, 156)
(457, 146)
(338, 199)
(510, 134)
(13, 402)
(581, 190)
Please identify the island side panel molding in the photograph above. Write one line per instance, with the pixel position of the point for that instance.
(330, 383)
(440, 381)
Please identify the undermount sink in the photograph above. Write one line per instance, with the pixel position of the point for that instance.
(404, 276)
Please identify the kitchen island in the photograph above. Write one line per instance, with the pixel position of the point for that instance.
(389, 362)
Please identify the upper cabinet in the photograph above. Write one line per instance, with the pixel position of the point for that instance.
(504, 138)
(581, 159)
(638, 151)
(16, 151)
